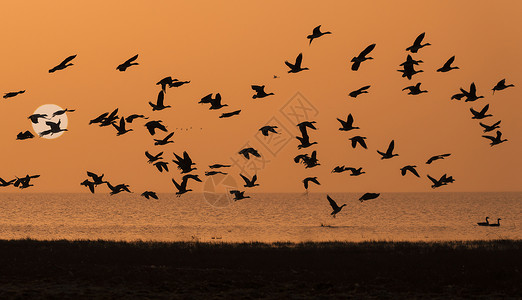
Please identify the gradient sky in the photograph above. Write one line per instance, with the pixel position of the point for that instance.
(226, 46)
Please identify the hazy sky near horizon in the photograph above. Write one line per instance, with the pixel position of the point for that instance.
(225, 47)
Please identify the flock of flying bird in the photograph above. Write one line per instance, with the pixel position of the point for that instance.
(186, 165)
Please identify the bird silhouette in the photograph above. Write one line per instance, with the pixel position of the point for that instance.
(159, 105)
(132, 117)
(118, 188)
(471, 95)
(97, 179)
(153, 125)
(6, 183)
(316, 34)
(308, 161)
(339, 169)
(184, 163)
(417, 44)
(304, 139)
(53, 128)
(480, 114)
(496, 139)
(177, 83)
(164, 82)
(64, 64)
(149, 194)
(153, 158)
(348, 124)
(13, 94)
(488, 128)
(410, 168)
(260, 91)
(217, 166)
(307, 180)
(61, 112)
(249, 182)
(296, 67)
(410, 62)
(414, 89)
(498, 87)
(238, 195)
(35, 118)
(409, 70)
(357, 60)
(336, 208)
(437, 183)
(355, 171)
(266, 129)
(128, 63)
(496, 224)
(24, 182)
(99, 119)
(358, 140)
(121, 128)
(164, 141)
(212, 173)
(484, 223)
(368, 196)
(246, 152)
(110, 119)
(230, 114)
(389, 152)
(215, 103)
(362, 90)
(182, 188)
(161, 165)
(437, 157)
(88, 184)
(447, 65)
(24, 135)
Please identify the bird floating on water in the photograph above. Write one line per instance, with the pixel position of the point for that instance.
(484, 223)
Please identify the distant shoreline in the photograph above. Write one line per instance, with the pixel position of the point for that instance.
(86, 269)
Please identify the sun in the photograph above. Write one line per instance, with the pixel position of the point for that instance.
(42, 125)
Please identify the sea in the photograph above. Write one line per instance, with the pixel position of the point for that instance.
(264, 217)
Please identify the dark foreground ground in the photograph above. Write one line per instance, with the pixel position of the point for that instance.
(380, 270)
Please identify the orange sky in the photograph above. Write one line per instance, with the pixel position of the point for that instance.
(225, 47)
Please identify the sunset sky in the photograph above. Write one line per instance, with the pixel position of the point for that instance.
(225, 47)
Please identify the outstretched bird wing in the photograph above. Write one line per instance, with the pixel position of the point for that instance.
(68, 59)
(390, 147)
(367, 50)
(419, 39)
(130, 60)
(332, 203)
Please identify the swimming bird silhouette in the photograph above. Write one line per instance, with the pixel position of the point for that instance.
(61, 112)
(336, 208)
(230, 114)
(121, 128)
(355, 171)
(97, 179)
(35, 118)
(153, 158)
(484, 223)
(182, 188)
(266, 129)
(472, 94)
(153, 125)
(24, 135)
(437, 157)
(53, 128)
(246, 152)
(307, 181)
(389, 151)
(316, 34)
(161, 165)
(6, 183)
(164, 141)
(496, 139)
(488, 128)
(159, 105)
(149, 194)
(369, 196)
(362, 90)
(358, 140)
(482, 114)
(447, 65)
(414, 89)
(348, 124)
(128, 63)
(12, 94)
(217, 166)
(64, 64)
(184, 163)
(410, 168)
(357, 60)
(417, 44)
(88, 184)
(496, 224)
(238, 195)
(260, 91)
(249, 182)
(498, 87)
(132, 117)
(296, 67)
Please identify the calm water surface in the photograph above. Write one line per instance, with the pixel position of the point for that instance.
(264, 217)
